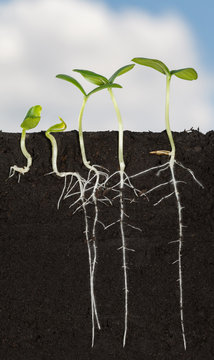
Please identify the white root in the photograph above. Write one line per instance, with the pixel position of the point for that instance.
(93, 175)
(91, 243)
(123, 247)
(179, 207)
(191, 172)
(171, 164)
(119, 188)
(164, 166)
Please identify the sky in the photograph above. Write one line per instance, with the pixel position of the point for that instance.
(198, 15)
(42, 38)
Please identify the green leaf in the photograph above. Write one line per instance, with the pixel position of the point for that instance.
(153, 63)
(106, 86)
(71, 80)
(186, 74)
(58, 127)
(92, 77)
(121, 71)
(32, 117)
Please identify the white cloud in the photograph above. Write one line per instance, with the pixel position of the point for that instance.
(42, 38)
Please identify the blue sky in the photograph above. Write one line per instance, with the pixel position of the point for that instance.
(103, 35)
(199, 14)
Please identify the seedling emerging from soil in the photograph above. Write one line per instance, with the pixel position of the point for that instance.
(124, 179)
(30, 121)
(79, 180)
(185, 74)
(80, 197)
(93, 169)
(55, 128)
(101, 85)
(109, 83)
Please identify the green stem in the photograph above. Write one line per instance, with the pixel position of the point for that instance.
(24, 150)
(120, 132)
(168, 130)
(81, 139)
(54, 151)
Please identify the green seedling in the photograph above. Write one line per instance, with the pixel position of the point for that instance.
(109, 83)
(101, 86)
(185, 74)
(95, 188)
(124, 179)
(30, 121)
(55, 128)
(79, 180)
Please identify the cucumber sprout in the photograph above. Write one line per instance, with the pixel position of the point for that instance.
(30, 121)
(97, 185)
(124, 179)
(185, 74)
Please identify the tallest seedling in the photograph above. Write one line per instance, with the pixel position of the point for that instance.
(185, 74)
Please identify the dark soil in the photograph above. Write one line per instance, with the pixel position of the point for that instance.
(44, 280)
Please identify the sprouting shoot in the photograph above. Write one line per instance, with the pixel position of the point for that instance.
(185, 74)
(30, 121)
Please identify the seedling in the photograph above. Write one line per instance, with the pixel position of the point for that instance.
(80, 197)
(95, 188)
(185, 74)
(55, 128)
(101, 85)
(30, 121)
(59, 128)
(109, 83)
(124, 179)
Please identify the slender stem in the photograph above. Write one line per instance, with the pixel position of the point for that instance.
(54, 151)
(120, 131)
(24, 150)
(81, 139)
(168, 130)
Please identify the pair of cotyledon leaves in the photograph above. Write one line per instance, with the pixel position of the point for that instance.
(97, 79)
(33, 116)
(185, 74)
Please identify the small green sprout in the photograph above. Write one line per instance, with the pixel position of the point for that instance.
(55, 128)
(185, 74)
(30, 121)
(59, 128)
(80, 182)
